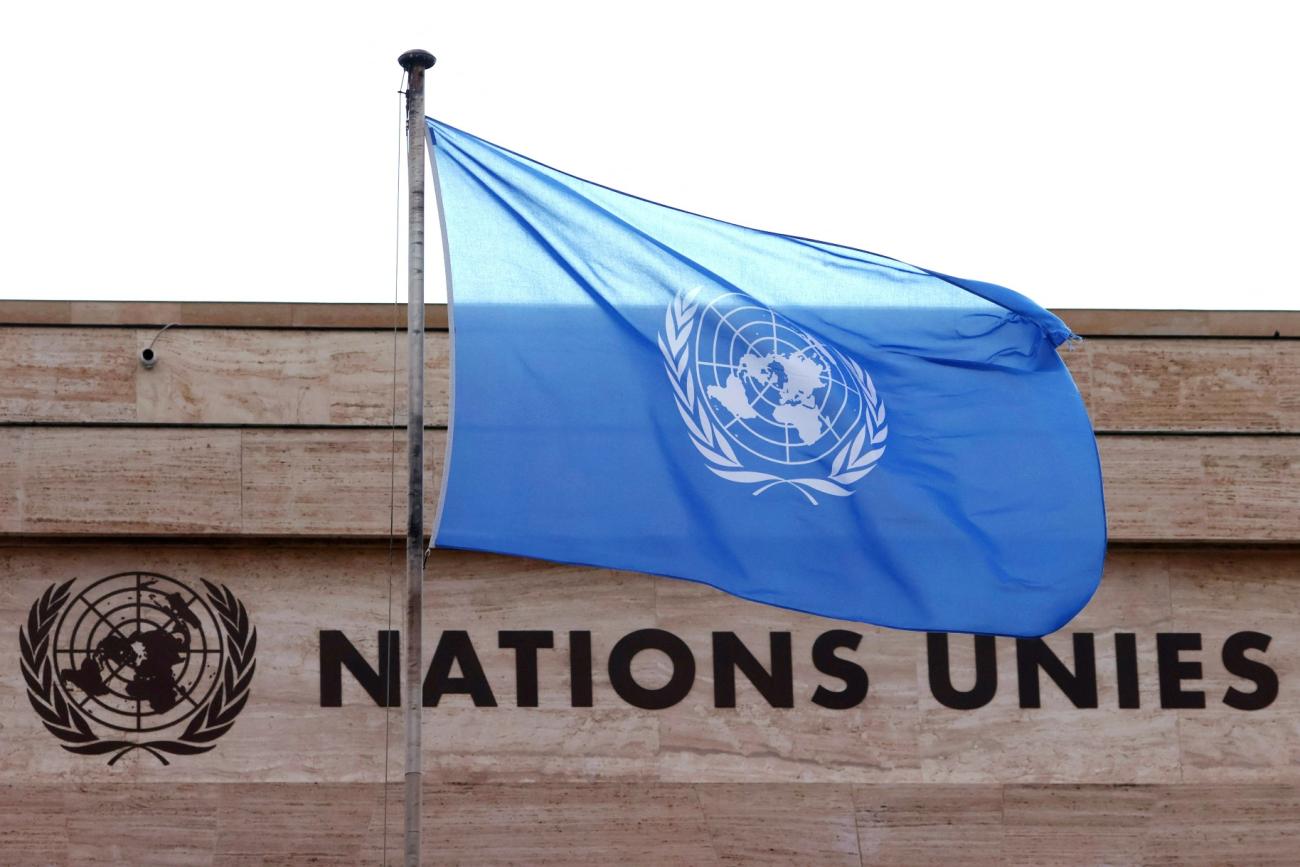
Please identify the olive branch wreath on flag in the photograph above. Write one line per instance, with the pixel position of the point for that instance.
(854, 461)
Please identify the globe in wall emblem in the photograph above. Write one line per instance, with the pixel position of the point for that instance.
(138, 661)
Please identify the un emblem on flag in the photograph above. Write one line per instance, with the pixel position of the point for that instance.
(755, 390)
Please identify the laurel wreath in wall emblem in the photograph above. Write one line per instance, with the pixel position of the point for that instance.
(138, 661)
(766, 403)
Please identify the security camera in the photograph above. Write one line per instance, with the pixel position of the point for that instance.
(148, 355)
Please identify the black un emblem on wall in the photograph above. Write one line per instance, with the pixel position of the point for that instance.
(138, 661)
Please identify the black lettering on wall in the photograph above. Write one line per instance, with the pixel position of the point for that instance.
(525, 643)
(1173, 670)
(454, 646)
(1257, 688)
(338, 653)
(1126, 670)
(580, 668)
(1263, 676)
(678, 685)
(1080, 686)
(986, 672)
(730, 654)
(856, 682)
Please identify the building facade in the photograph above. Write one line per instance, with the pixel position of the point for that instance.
(201, 610)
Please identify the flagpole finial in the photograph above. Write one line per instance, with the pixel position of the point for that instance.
(417, 58)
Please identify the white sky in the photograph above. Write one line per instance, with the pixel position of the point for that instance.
(1133, 154)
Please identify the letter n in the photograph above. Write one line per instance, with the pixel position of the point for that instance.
(338, 653)
(1080, 686)
(730, 654)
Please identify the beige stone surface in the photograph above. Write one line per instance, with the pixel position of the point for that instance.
(134, 312)
(562, 825)
(146, 825)
(327, 482)
(929, 825)
(1218, 824)
(781, 824)
(1086, 824)
(285, 377)
(1223, 489)
(259, 431)
(34, 823)
(292, 376)
(1189, 385)
(899, 735)
(12, 469)
(32, 312)
(58, 374)
(72, 480)
(900, 780)
(1089, 322)
(653, 824)
(1183, 323)
(331, 482)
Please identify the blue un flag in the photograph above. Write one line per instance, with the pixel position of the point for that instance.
(794, 422)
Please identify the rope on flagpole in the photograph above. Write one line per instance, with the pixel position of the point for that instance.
(392, 446)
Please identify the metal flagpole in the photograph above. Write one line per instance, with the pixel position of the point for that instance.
(415, 63)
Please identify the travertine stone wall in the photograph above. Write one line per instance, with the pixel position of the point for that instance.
(900, 733)
(338, 482)
(280, 432)
(259, 376)
(657, 823)
(255, 455)
(899, 778)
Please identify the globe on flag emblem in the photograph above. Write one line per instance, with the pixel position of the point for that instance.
(766, 403)
(777, 392)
